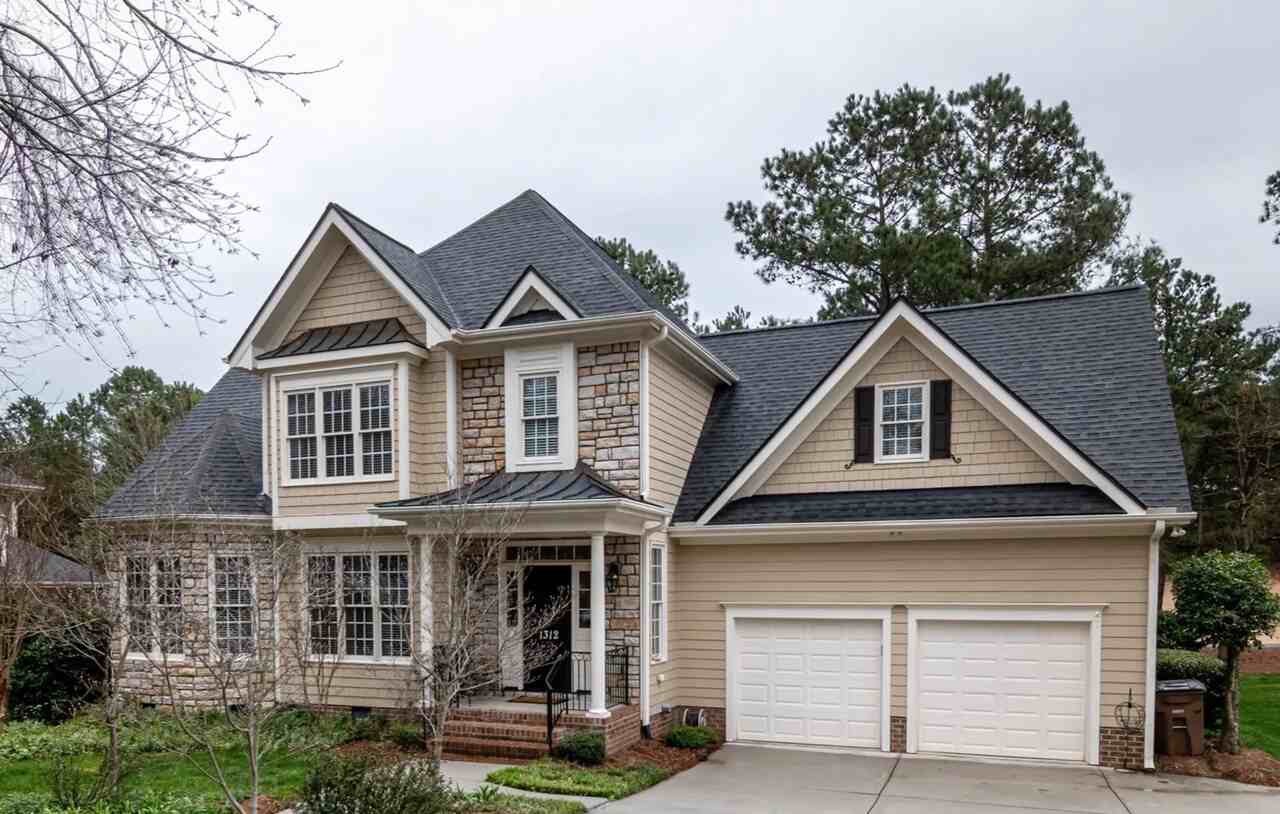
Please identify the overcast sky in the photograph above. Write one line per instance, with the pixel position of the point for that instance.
(644, 123)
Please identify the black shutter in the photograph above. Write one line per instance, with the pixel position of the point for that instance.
(940, 419)
(864, 425)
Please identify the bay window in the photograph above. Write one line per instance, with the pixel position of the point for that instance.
(233, 605)
(350, 438)
(153, 599)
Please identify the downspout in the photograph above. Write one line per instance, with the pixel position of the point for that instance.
(1153, 611)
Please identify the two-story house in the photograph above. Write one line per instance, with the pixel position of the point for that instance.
(922, 531)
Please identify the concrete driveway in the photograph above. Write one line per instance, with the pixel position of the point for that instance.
(749, 779)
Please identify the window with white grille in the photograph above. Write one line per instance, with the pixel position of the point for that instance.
(901, 422)
(541, 417)
(233, 606)
(153, 599)
(658, 602)
(359, 605)
(340, 433)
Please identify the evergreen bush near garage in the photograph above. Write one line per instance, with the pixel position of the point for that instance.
(356, 786)
(1207, 669)
(691, 737)
(51, 680)
(583, 748)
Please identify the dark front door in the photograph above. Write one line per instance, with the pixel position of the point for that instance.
(546, 589)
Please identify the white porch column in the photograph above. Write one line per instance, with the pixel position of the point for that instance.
(598, 677)
(426, 606)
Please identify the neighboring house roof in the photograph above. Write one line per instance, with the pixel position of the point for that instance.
(367, 334)
(1039, 500)
(1088, 364)
(55, 569)
(210, 464)
(580, 483)
(10, 479)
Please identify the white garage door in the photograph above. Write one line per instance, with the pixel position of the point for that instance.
(808, 681)
(1016, 689)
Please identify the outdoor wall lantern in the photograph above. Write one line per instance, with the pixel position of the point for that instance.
(611, 578)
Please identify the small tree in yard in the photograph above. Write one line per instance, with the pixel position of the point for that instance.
(471, 648)
(1225, 599)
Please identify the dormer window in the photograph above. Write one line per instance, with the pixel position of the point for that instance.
(902, 428)
(339, 432)
(541, 386)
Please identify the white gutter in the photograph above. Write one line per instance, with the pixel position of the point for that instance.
(1153, 619)
(186, 518)
(616, 503)
(462, 337)
(781, 532)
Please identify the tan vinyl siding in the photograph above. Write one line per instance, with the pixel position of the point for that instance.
(990, 454)
(338, 498)
(1076, 571)
(428, 425)
(666, 691)
(352, 292)
(349, 682)
(678, 403)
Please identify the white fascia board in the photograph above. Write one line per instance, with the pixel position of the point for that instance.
(531, 281)
(345, 355)
(903, 321)
(612, 516)
(333, 521)
(1045, 527)
(285, 294)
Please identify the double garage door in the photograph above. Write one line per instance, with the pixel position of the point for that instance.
(1005, 688)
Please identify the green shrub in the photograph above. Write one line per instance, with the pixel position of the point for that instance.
(25, 740)
(354, 786)
(583, 748)
(150, 803)
(371, 728)
(1210, 670)
(51, 680)
(1172, 634)
(406, 735)
(691, 737)
(23, 803)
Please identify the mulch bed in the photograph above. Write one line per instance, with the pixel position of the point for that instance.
(657, 753)
(266, 805)
(1250, 766)
(379, 751)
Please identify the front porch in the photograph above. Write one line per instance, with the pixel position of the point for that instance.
(564, 562)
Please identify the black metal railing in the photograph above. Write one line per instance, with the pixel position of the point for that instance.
(572, 673)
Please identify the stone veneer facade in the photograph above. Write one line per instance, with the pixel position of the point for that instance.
(608, 414)
(193, 678)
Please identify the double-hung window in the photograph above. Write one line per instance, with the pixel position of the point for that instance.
(233, 606)
(153, 598)
(658, 602)
(339, 432)
(540, 416)
(902, 422)
(358, 605)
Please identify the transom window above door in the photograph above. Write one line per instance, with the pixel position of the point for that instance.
(902, 428)
(339, 432)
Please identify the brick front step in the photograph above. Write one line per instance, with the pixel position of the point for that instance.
(533, 717)
(496, 730)
(486, 747)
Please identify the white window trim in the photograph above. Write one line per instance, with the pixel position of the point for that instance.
(1087, 614)
(530, 281)
(664, 651)
(352, 381)
(732, 613)
(155, 654)
(214, 649)
(342, 657)
(560, 360)
(880, 458)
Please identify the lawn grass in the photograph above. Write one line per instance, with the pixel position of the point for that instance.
(557, 777)
(282, 776)
(517, 804)
(1260, 712)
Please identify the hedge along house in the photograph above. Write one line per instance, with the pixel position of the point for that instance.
(922, 531)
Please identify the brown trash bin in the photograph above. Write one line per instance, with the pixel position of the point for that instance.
(1180, 717)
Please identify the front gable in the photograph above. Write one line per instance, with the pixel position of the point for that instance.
(986, 452)
(353, 291)
(899, 322)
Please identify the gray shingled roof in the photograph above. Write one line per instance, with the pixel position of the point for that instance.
(367, 334)
(55, 569)
(1053, 499)
(211, 463)
(1087, 363)
(580, 483)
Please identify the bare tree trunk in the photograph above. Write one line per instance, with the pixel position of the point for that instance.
(4, 696)
(1230, 740)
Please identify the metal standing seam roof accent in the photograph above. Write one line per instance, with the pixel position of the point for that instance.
(1031, 500)
(580, 483)
(367, 334)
